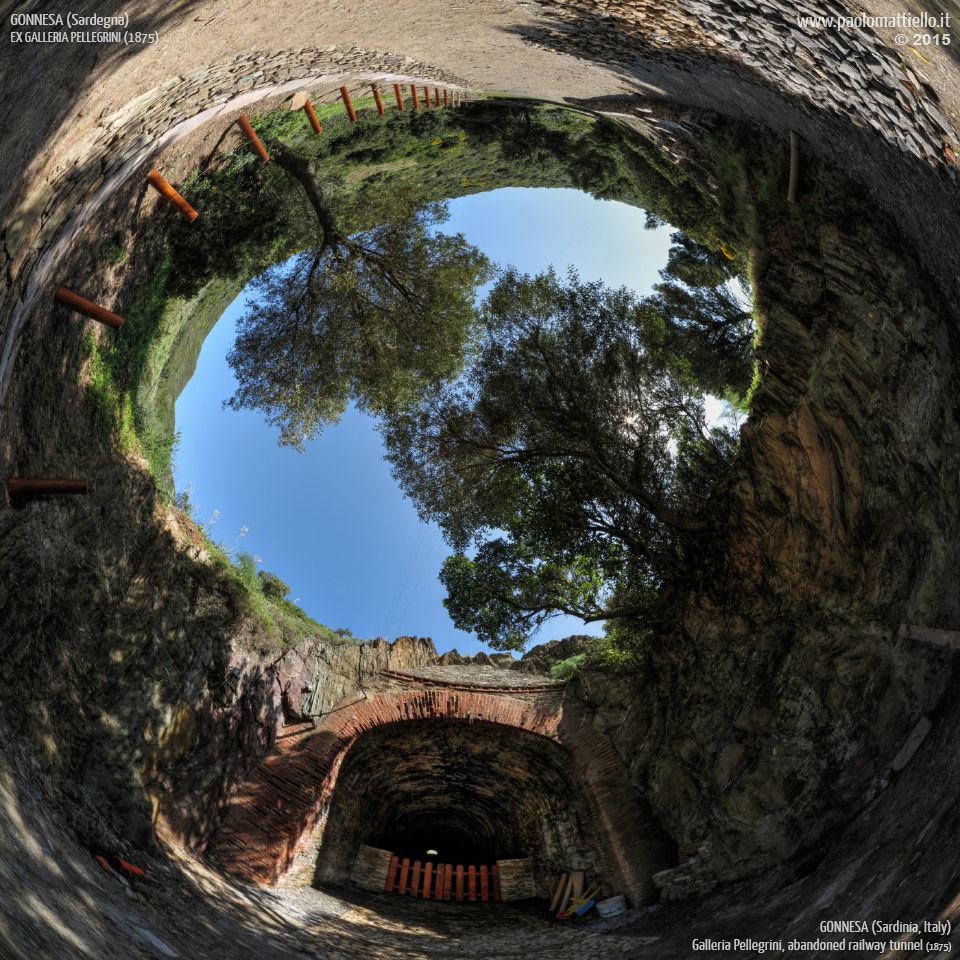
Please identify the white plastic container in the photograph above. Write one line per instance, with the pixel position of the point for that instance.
(611, 907)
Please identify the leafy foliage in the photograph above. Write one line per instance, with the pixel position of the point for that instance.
(567, 669)
(271, 586)
(372, 318)
(573, 458)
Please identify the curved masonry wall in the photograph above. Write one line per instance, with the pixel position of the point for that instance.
(277, 814)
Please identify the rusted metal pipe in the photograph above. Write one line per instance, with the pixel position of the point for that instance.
(346, 102)
(311, 116)
(416, 102)
(168, 193)
(24, 488)
(436, 97)
(446, 100)
(251, 135)
(794, 166)
(74, 301)
(397, 94)
(377, 100)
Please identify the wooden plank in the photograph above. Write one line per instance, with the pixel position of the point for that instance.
(447, 880)
(484, 884)
(404, 871)
(577, 884)
(415, 884)
(441, 879)
(459, 883)
(427, 879)
(496, 881)
(392, 874)
(939, 638)
(567, 892)
(555, 902)
(472, 878)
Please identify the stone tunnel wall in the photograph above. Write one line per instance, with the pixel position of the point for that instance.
(283, 810)
(761, 730)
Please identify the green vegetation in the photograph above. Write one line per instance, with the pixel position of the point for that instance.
(604, 516)
(567, 669)
(571, 468)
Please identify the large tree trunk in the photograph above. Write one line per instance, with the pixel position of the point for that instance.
(305, 173)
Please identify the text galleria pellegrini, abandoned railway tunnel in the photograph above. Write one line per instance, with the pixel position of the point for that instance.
(758, 758)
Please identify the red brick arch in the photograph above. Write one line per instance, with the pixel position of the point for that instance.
(286, 799)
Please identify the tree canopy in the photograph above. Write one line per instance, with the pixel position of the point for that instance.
(573, 460)
(370, 318)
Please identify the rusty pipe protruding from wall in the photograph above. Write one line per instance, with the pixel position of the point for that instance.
(416, 102)
(351, 113)
(377, 100)
(311, 116)
(794, 166)
(399, 96)
(74, 301)
(251, 135)
(24, 488)
(168, 193)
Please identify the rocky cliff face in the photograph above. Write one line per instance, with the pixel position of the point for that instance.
(137, 671)
(775, 702)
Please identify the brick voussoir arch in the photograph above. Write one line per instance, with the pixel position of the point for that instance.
(281, 807)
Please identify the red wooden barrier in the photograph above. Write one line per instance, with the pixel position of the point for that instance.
(312, 117)
(168, 193)
(396, 91)
(346, 102)
(377, 100)
(74, 301)
(251, 135)
(392, 874)
(429, 880)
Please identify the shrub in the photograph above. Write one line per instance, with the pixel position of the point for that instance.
(567, 669)
(272, 586)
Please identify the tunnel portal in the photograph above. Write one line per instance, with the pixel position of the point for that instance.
(477, 774)
(462, 793)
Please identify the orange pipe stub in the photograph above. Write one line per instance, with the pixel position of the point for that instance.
(74, 301)
(416, 102)
(311, 116)
(251, 135)
(168, 193)
(399, 96)
(43, 486)
(377, 100)
(351, 113)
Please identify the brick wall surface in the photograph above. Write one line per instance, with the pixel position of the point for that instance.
(283, 805)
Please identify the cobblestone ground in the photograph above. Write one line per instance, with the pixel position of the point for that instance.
(398, 927)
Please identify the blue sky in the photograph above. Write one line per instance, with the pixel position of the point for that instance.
(331, 522)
